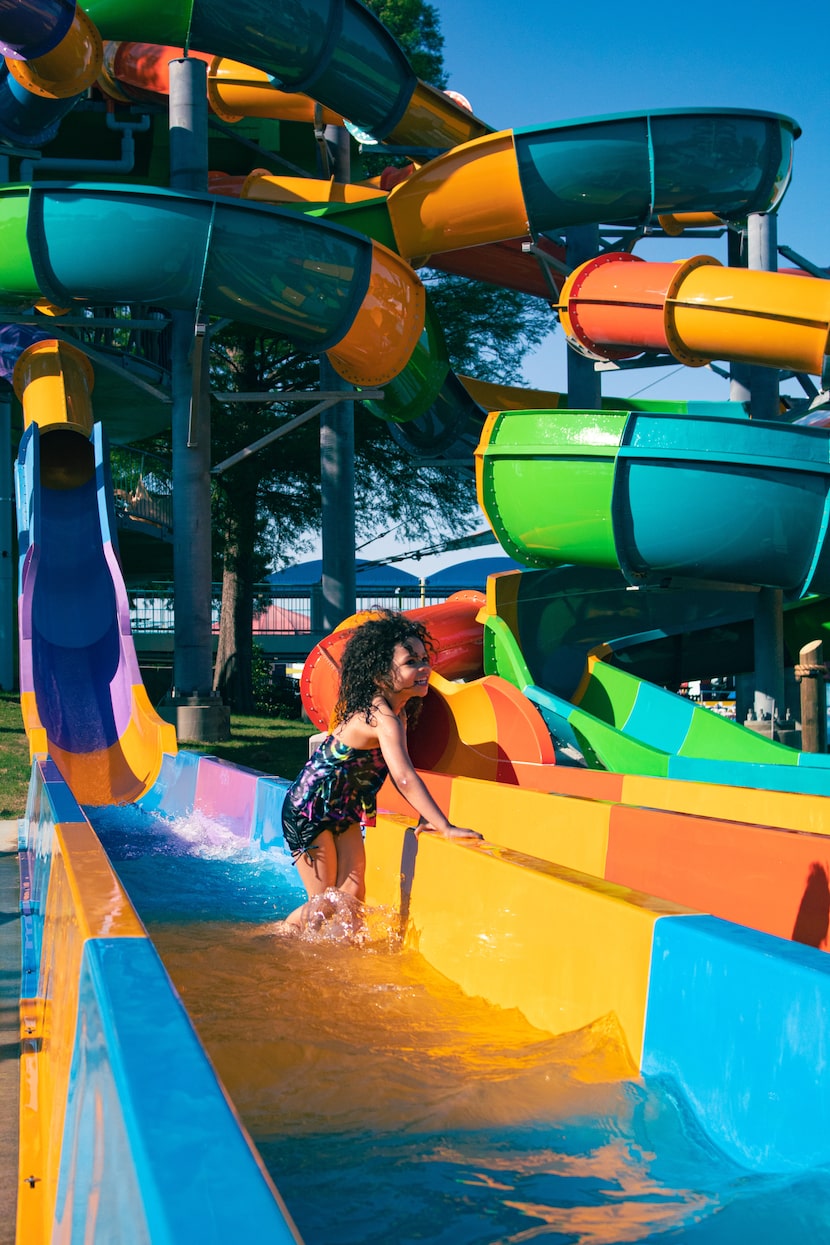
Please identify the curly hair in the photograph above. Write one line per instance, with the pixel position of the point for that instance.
(367, 659)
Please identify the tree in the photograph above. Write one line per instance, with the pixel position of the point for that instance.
(417, 27)
(488, 330)
(266, 504)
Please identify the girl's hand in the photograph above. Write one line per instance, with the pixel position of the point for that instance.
(448, 832)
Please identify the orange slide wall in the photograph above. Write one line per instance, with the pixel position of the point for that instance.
(762, 876)
(484, 728)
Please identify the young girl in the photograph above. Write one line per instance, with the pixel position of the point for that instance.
(383, 680)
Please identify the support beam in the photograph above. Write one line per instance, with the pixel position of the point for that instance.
(739, 373)
(197, 713)
(762, 255)
(337, 456)
(584, 381)
(769, 655)
(337, 504)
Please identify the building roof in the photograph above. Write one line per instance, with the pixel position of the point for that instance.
(367, 575)
(472, 573)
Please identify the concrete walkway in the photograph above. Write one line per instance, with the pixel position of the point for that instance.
(9, 1026)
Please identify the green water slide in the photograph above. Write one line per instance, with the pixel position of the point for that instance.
(623, 723)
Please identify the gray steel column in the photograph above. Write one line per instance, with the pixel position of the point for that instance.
(7, 576)
(188, 122)
(337, 459)
(584, 381)
(193, 639)
(337, 502)
(739, 373)
(769, 653)
(762, 241)
(762, 255)
(196, 711)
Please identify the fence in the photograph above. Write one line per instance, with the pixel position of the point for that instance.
(277, 611)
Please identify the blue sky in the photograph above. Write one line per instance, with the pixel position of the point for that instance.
(529, 63)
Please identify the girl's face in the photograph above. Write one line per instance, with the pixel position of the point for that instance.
(409, 672)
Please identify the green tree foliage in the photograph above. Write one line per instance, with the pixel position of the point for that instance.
(267, 506)
(488, 330)
(417, 28)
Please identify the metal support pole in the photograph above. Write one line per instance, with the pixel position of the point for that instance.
(188, 120)
(584, 381)
(338, 503)
(7, 585)
(337, 458)
(196, 711)
(762, 255)
(739, 373)
(193, 651)
(769, 655)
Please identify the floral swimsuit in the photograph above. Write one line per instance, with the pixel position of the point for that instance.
(336, 787)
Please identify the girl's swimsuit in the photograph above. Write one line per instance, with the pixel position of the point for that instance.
(336, 787)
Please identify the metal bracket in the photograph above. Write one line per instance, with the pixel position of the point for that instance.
(331, 398)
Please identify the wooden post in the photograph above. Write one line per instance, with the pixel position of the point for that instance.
(810, 674)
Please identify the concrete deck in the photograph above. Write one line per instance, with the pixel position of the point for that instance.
(9, 1027)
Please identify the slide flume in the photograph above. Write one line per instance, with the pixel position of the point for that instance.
(81, 692)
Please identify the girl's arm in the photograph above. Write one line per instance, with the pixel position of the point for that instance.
(392, 740)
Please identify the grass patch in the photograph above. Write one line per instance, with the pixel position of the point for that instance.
(272, 745)
(15, 767)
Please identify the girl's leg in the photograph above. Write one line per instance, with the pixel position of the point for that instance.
(318, 870)
(351, 863)
(317, 873)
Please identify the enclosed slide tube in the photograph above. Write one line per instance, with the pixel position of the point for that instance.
(616, 306)
(81, 693)
(342, 55)
(482, 727)
(53, 54)
(336, 51)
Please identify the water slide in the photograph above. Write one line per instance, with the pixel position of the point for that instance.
(81, 692)
(471, 723)
(747, 503)
(620, 952)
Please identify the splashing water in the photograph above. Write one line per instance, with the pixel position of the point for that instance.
(388, 1106)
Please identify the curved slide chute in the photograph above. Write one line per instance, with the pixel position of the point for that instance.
(733, 501)
(315, 284)
(542, 633)
(483, 728)
(82, 696)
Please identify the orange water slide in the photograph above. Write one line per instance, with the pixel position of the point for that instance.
(140, 71)
(481, 728)
(616, 306)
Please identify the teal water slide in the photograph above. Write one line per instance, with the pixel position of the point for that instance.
(675, 539)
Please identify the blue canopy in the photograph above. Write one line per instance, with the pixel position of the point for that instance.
(473, 573)
(367, 575)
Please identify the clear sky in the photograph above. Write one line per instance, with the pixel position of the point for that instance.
(531, 62)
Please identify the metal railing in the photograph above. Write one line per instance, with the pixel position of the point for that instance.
(277, 611)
